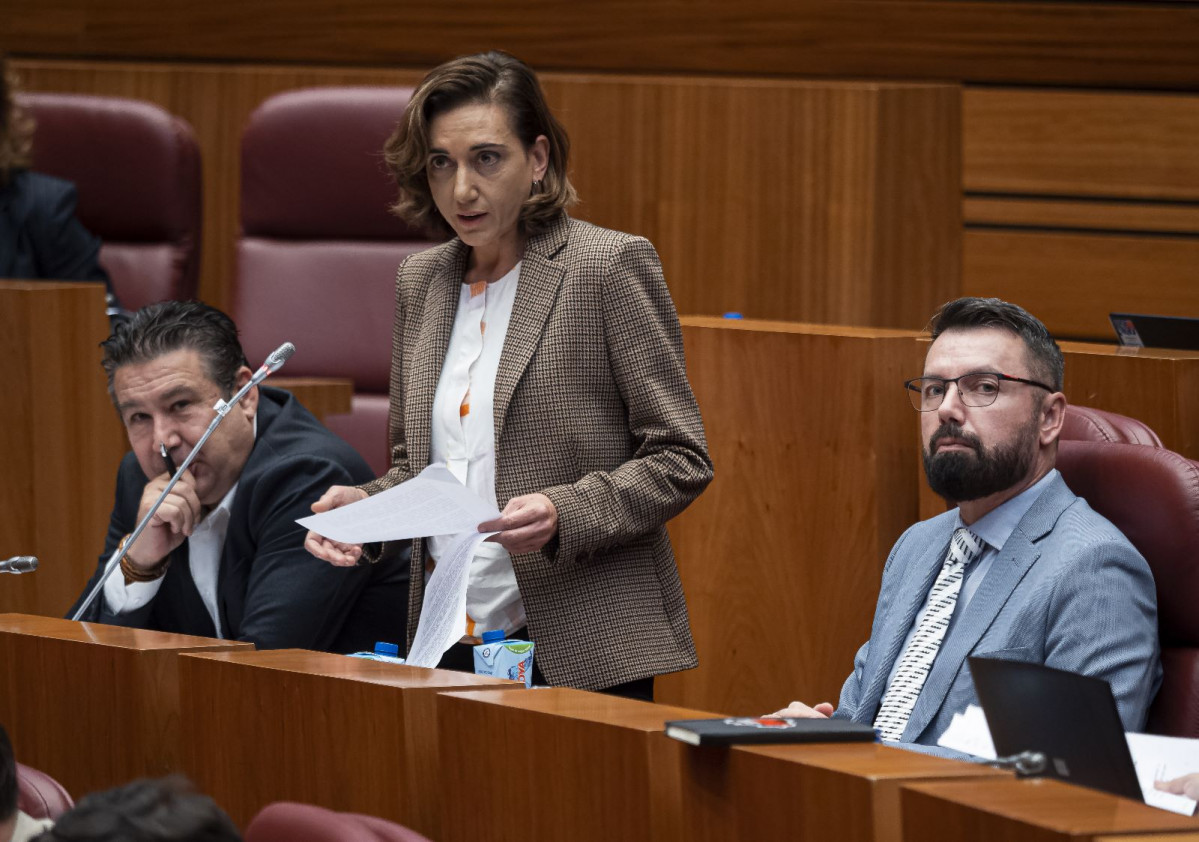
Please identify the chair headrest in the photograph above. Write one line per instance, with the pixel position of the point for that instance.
(312, 165)
(1084, 423)
(136, 167)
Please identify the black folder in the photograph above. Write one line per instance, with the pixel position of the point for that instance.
(751, 730)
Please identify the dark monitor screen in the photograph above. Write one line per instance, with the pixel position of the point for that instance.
(1143, 331)
(1070, 718)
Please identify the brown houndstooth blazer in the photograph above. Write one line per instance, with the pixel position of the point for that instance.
(592, 409)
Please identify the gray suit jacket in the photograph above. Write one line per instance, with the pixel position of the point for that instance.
(593, 409)
(1068, 590)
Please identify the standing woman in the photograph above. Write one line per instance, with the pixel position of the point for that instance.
(541, 359)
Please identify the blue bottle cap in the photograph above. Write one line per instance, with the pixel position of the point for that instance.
(389, 649)
(493, 636)
(733, 314)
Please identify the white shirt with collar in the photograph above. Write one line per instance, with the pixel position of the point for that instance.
(994, 528)
(463, 437)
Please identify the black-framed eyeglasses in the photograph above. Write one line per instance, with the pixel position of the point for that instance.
(978, 389)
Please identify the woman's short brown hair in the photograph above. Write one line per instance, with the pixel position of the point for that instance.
(16, 126)
(493, 77)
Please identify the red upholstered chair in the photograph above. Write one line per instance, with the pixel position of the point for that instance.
(288, 822)
(1152, 495)
(1084, 423)
(137, 172)
(317, 259)
(39, 795)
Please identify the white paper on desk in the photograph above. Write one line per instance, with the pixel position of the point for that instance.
(443, 612)
(433, 502)
(1161, 759)
(968, 732)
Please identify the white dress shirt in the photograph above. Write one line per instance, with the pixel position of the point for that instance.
(463, 437)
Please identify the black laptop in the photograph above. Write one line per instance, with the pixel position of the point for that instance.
(1138, 330)
(1072, 719)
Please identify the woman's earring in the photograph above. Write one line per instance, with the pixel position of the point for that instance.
(536, 188)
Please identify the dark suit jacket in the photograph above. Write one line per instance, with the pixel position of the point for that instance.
(593, 409)
(270, 590)
(39, 234)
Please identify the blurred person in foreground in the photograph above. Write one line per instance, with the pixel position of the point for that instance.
(1021, 568)
(223, 557)
(541, 359)
(167, 810)
(15, 825)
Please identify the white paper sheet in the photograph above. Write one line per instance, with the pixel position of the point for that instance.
(968, 732)
(433, 502)
(1159, 758)
(443, 612)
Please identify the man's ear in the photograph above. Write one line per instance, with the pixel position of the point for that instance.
(248, 404)
(1053, 417)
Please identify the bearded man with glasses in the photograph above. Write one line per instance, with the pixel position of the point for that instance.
(1022, 568)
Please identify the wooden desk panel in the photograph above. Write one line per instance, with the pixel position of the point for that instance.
(60, 440)
(563, 763)
(1157, 386)
(848, 792)
(322, 396)
(93, 706)
(816, 455)
(1031, 810)
(344, 733)
(1071, 280)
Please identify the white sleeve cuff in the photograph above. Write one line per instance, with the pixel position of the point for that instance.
(122, 598)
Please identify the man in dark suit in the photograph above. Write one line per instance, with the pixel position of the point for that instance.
(1021, 569)
(223, 556)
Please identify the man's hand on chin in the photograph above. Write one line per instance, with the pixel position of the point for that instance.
(798, 710)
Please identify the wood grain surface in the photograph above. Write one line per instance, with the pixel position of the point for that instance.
(808, 793)
(343, 733)
(1029, 810)
(559, 763)
(60, 440)
(815, 451)
(777, 198)
(1081, 143)
(322, 396)
(1071, 281)
(93, 706)
(1120, 44)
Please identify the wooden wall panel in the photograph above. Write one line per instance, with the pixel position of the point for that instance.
(1120, 44)
(792, 200)
(815, 450)
(1072, 281)
(1081, 143)
(60, 441)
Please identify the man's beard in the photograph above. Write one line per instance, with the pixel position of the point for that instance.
(960, 476)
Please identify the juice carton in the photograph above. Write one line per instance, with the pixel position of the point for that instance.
(502, 658)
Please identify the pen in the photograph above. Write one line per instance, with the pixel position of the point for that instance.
(166, 457)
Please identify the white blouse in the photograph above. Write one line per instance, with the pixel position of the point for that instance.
(463, 437)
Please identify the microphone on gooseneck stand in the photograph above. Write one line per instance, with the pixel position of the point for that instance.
(273, 363)
(19, 564)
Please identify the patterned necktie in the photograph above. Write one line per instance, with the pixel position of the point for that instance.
(917, 660)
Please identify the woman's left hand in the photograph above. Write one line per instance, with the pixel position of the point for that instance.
(525, 525)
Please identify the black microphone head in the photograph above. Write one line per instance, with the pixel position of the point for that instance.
(279, 356)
